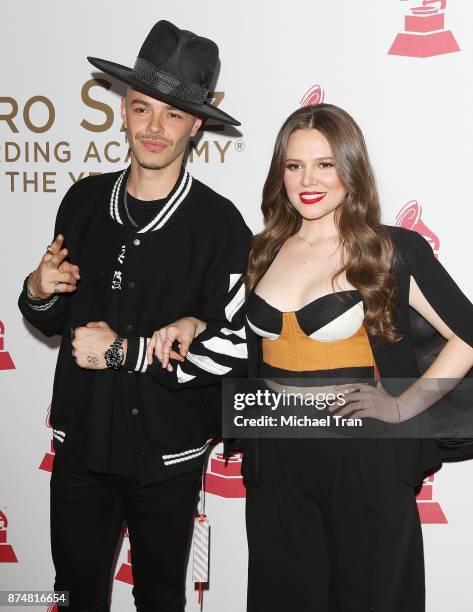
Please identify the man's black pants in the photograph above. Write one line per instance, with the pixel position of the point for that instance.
(87, 514)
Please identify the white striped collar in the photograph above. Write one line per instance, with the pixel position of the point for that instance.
(178, 195)
(114, 198)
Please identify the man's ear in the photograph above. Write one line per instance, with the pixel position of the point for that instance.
(195, 128)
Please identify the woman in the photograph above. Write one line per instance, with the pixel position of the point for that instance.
(333, 523)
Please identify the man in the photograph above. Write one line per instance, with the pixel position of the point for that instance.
(145, 246)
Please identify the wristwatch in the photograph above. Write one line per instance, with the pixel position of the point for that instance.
(114, 354)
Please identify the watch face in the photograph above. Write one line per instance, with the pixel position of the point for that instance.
(114, 357)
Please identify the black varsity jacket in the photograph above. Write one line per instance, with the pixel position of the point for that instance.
(188, 260)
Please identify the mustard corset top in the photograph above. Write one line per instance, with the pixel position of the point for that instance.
(326, 334)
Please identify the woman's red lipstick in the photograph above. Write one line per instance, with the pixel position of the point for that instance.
(312, 197)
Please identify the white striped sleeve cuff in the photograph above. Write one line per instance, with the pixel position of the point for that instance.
(136, 360)
(187, 455)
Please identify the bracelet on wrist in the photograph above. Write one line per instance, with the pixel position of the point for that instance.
(399, 411)
(28, 291)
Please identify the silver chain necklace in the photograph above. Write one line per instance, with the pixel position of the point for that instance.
(125, 205)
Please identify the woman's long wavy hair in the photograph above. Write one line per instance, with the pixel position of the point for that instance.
(367, 250)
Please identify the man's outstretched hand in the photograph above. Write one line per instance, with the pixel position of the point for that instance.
(54, 274)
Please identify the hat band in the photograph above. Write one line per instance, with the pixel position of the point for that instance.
(169, 84)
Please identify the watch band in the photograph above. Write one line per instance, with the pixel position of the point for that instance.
(114, 354)
(118, 342)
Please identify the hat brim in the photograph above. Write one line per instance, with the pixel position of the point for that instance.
(122, 73)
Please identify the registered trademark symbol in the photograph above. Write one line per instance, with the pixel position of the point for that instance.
(239, 145)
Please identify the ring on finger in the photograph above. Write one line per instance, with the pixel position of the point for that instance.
(49, 249)
(56, 286)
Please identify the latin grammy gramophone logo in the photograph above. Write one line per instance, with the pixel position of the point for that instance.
(223, 476)
(48, 459)
(424, 31)
(6, 362)
(125, 573)
(409, 217)
(315, 95)
(7, 554)
(430, 511)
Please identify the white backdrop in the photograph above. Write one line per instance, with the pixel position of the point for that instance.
(416, 113)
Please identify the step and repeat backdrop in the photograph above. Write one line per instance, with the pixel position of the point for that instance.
(402, 68)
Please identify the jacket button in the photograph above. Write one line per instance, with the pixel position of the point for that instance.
(135, 411)
(129, 327)
(131, 285)
(137, 242)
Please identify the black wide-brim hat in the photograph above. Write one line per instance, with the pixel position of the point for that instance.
(174, 66)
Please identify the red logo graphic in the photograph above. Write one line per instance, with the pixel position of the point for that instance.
(315, 95)
(47, 462)
(430, 511)
(424, 32)
(125, 573)
(52, 608)
(224, 477)
(7, 554)
(6, 362)
(410, 218)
